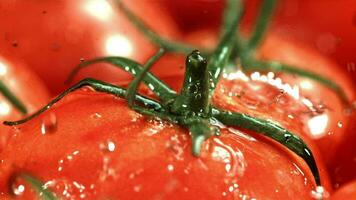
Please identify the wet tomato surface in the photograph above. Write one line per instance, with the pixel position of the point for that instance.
(52, 37)
(27, 87)
(112, 147)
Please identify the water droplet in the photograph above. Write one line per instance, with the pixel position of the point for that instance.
(108, 146)
(17, 186)
(96, 116)
(49, 124)
(81, 59)
(170, 168)
(319, 193)
(339, 124)
(137, 188)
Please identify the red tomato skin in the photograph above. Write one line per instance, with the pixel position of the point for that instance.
(348, 191)
(103, 145)
(332, 34)
(334, 118)
(55, 36)
(26, 86)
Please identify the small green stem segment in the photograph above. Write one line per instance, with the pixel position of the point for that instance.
(98, 86)
(151, 35)
(132, 88)
(194, 96)
(43, 192)
(261, 25)
(273, 131)
(220, 56)
(280, 67)
(12, 98)
(164, 92)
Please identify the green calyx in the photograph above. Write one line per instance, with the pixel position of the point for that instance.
(15, 101)
(191, 108)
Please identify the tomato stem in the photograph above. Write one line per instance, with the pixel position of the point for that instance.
(12, 98)
(42, 191)
(151, 35)
(194, 96)
(164, 92)
(132, 88)
(261, 25)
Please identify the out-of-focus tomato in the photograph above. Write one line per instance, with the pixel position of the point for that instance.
(52, 37)
(348, 191)
(330, 26)
(26, 86)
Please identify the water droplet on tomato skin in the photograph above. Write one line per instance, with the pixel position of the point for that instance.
(96, 116)
(107, 146)
(17, 186)
(49, 124)
(319, 193)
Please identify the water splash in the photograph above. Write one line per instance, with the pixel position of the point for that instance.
(49, 124)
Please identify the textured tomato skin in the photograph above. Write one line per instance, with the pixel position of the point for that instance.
(348, 191)
(99, 143)
(52, 37)
(332, 34)
(325, 107)
(26, 86)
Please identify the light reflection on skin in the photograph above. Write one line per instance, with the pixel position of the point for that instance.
(100, 9)
(5, 108)
(118, 45)
(317, 125)
(3, 69)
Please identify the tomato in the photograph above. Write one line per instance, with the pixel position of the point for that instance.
(346, 192)
(96, 144)
(325, 119)
(26, 86)
(344, 161)
(52, 37)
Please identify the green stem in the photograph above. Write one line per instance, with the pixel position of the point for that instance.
(151, 35)
(132, 88)
(220, 56)
(12, 98)
(280, 67)
(273, 131)
(38, 186)
(194, 96)
(261, 25)
(98, 86)
(157, 86)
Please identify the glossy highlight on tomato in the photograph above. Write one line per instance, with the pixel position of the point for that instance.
(27, 87)
(113, 146)
(52, 37)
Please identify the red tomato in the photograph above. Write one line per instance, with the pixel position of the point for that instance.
(54, 36)
(102, 145)
(344, 160)
(324, 116)
(346, 192)
(26, 86)
(332, 34)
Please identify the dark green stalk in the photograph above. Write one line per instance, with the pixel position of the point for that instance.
(132, 88)
(280, 67)
(12, 98)
(98, 86)
(157, 86)
(38, 186)
(261, 25)
(151, 35)
(220, 56)
(273, 131)
(194, 96)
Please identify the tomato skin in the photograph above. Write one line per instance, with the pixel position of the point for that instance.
(26, 86)
(332, 114)
(54, 36)
(348, 191)
(103, 145)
